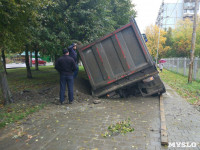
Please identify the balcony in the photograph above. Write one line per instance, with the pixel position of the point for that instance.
(186, 1)
(189, 7)
(189, 17)
(188, 14)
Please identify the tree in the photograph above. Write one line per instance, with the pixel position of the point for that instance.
(121, 11)
(179, 39)
(49, 26)
(8, 24)
(80, 20)
(182, 35)
(152, 33)
(15, 18)
(169, 42)
(4, 85)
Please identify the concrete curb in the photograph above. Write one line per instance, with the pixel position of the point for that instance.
(163, 133)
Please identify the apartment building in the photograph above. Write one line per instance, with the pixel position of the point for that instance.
(170, 13)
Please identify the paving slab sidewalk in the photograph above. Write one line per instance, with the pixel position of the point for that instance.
(80, 126)
(182, 121)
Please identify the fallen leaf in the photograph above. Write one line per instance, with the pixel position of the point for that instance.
(29, 136)
(144, 121)
(15, 136)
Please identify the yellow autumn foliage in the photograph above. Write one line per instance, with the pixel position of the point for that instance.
(182, 35)
(152, 33)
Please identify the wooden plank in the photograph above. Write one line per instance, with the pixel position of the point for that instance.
(163, 133)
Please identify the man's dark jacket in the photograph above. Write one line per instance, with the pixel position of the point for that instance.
(72, 52)
(65, 65)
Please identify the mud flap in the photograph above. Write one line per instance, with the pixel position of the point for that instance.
(154, 87)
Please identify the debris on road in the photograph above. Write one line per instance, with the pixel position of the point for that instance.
(97, 101)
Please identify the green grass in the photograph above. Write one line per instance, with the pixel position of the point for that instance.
(191, 92)
(181, 71)
(14, 112)
(47, 76)
(82, 73)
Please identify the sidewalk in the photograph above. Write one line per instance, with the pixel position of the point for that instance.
(182, 120)
(80, 126)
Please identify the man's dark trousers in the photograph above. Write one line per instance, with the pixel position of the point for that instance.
(69, 80)
(76, 71)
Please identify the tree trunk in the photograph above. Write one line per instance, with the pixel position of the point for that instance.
(55, 59)
(29, 75)
(4, 60)
(30, 59)
(7, 96)
(36, 59)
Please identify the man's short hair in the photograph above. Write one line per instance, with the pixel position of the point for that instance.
(74, 44)
(65, 51)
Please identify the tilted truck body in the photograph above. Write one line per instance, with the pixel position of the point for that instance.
(119, 62)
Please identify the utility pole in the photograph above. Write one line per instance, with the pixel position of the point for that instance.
(159, 25)
(158, 45)
(193, 43)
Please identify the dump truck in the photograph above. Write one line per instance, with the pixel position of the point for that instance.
(120, 63)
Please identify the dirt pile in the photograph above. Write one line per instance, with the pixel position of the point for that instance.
(82, 93)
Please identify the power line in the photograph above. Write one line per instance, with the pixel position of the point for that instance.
(174, 8)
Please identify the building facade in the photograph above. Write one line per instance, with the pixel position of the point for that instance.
(170, 13)
(188, 9)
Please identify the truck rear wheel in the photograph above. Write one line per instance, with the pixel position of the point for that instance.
(122, 93)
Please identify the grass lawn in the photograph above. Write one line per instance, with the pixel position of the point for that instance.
(191, 92)
(18, 82)
(46, 77)
(14, 112)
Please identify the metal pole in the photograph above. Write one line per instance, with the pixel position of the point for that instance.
(158, 46)
(193, 43)
(159, 25)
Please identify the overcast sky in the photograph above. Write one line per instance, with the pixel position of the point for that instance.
(147, 11)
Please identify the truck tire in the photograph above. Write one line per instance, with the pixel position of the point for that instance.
(122, 93)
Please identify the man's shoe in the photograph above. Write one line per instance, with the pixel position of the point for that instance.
(71, 102)
(64, 102)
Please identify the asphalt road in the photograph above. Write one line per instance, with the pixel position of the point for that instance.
(21, 65)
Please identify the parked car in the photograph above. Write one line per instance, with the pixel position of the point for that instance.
(40, 61)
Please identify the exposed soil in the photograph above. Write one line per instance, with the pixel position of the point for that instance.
(82, 93)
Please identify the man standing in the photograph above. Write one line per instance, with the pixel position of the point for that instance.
(72, 52)
(65, 65)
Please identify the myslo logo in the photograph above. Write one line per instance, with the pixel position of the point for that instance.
(182, 144)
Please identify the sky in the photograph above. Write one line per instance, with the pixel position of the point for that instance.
(147, 11)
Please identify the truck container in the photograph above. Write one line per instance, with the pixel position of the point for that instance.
(120, 63)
